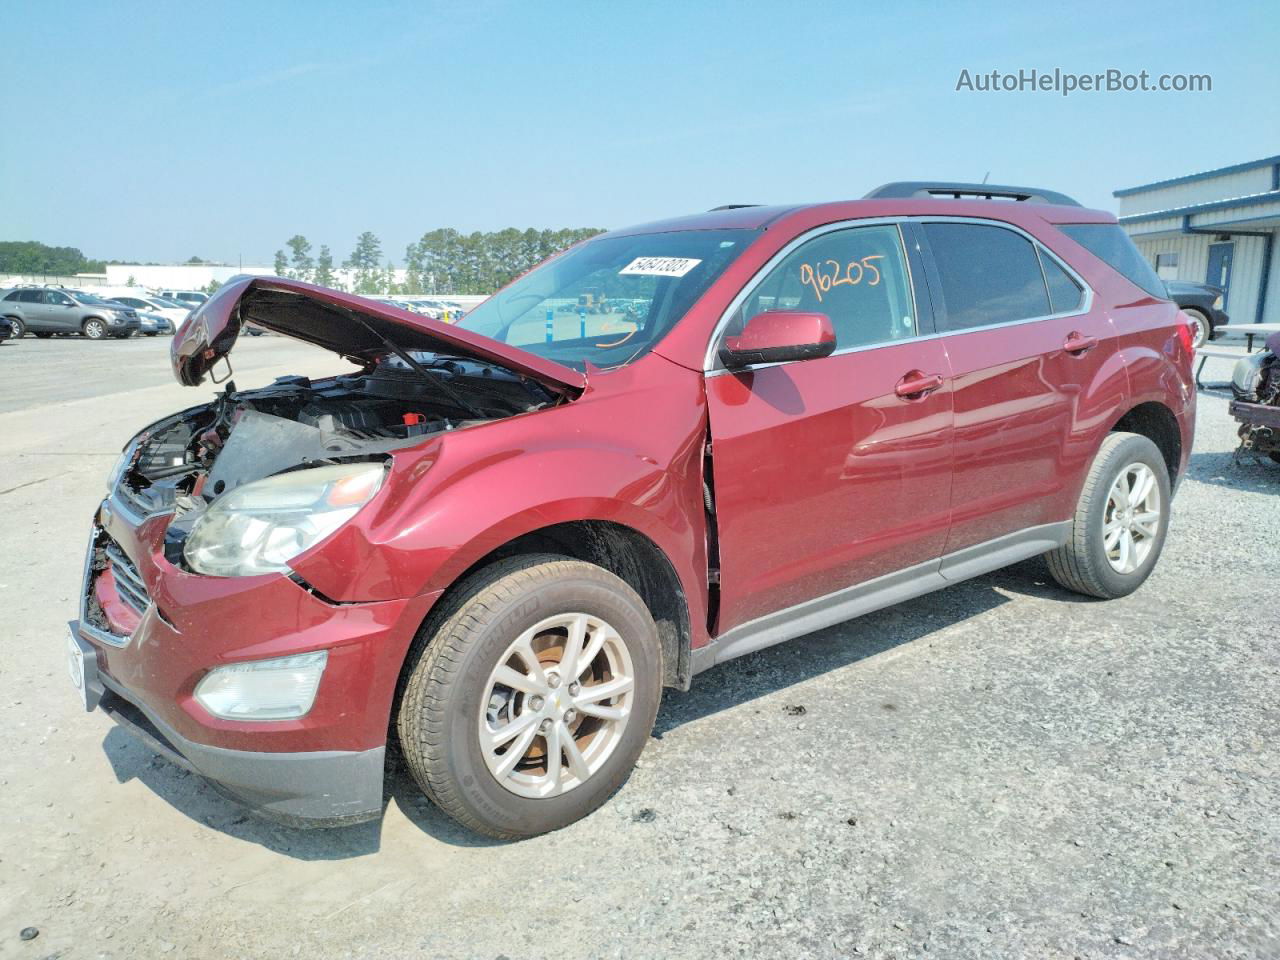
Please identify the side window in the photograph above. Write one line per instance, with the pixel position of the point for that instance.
(989, 275)
(31, 296)
(857, 277)
(1065, 294)
(16, 295)
(55, 298)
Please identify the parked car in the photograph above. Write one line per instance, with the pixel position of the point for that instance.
(173, 310)
(503, 547)
(1255, 384)
(152, 324)
(46, 311)
(1202, 302)
(6, 329)
(192, 298)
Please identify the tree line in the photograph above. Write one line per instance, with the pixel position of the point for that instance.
(38, 259)
(442, 261)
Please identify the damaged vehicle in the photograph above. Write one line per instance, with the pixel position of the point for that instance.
(485, 550)
(1255, 385)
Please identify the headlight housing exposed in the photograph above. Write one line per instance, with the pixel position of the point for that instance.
(261, 526)
(126, 455)
(1217, 302)
(280, 689)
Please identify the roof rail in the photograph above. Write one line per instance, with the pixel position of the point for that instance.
(732, 206)
(981, 191)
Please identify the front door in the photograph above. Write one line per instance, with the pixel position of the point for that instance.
(1219, 272)
(1025, 354)
(825, 475)
(60, 312)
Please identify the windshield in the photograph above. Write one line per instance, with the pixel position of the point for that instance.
(609, 300)
(95, 300)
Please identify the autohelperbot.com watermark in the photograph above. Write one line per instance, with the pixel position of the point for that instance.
(1066, 82)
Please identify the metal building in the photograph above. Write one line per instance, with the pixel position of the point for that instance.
(1215, 227)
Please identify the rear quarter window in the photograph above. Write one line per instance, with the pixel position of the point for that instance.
(1110, 244)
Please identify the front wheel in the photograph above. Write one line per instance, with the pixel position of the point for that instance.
(1120, 523)
(95, 329)
(531, 695)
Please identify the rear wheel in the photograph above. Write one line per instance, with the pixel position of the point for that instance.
(17, 329)
(532, 695)
(1201, 330)
(1120, 522)
(95, 329)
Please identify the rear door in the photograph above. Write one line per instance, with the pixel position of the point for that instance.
(35, 310)
(824, 474)
(1028, 351)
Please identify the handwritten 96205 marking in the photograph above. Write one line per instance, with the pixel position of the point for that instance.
(823, 281)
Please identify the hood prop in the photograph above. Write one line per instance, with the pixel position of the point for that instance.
(426, 374)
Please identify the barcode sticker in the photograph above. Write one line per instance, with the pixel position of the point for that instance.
(659, 266)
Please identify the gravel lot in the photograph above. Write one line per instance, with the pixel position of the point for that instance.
(998, 770)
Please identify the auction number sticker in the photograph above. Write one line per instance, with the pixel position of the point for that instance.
(659, 266)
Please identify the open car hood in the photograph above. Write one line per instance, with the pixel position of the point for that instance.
(349, 325)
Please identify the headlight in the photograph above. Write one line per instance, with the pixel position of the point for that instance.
(118, 470)
(279, 689)
(260, 527)
(1217, 302)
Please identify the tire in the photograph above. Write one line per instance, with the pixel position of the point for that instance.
(451, 696)
(1202, 329)
(17, 329)
(94, 329)
(1083, 564)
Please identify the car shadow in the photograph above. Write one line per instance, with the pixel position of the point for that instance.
(776, 668)
(740, 681)
(1244, 471)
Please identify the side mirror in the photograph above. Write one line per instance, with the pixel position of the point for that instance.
(777, 336)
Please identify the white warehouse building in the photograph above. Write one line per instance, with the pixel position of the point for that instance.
(1217, 227)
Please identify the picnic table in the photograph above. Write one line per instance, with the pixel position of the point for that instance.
(1247, 332)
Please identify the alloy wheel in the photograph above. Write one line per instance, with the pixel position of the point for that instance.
(1131, 524)
(556, 705)
(95, 329)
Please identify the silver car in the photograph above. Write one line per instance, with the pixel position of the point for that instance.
(45, 311)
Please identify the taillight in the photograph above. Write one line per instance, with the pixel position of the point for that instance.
(1183, 330)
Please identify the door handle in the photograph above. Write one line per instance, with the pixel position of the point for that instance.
(916, 385)
(1077, 343)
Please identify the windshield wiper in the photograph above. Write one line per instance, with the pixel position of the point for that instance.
(426, 374)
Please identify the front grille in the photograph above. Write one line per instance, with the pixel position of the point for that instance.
(129, 583)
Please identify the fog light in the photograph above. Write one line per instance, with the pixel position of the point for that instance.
(280, 689)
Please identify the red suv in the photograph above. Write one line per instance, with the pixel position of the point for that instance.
(492, 544)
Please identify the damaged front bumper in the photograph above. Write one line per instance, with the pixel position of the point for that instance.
(148, 632)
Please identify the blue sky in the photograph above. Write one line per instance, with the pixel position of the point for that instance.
(163, 130)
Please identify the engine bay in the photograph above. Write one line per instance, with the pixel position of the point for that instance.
(185, 461)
